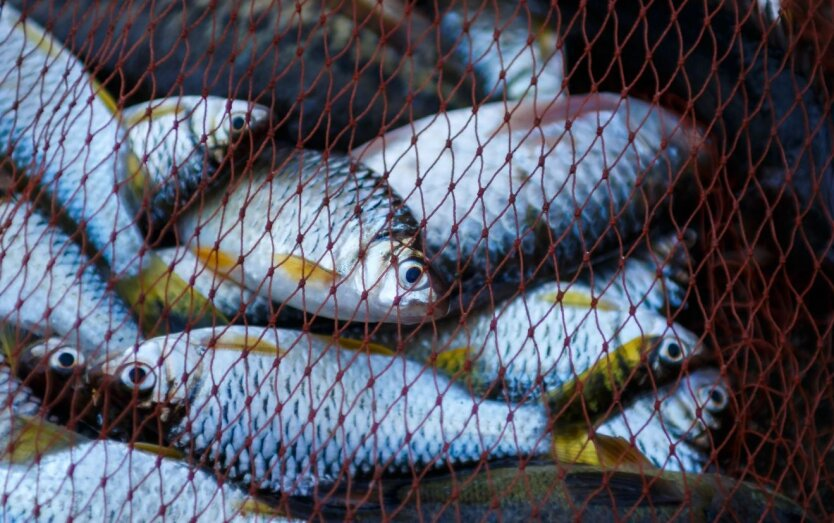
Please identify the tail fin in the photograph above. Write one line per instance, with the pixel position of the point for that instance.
(164, 302)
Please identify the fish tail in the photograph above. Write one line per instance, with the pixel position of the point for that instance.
(164, 302)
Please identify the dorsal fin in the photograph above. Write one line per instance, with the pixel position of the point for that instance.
(357, 345)
(578, 299)
(234, 341)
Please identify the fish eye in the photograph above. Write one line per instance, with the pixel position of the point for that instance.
(238, 122)
(64, 359)
(411, 272)
(717, 401)
(139, 376)
(671, 352)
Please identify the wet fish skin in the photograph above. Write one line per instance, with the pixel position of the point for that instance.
(60, 129)
(552, 492)
(555, 333)
(48, 284)
(105, 480)
(344, 88)
(321, 415)
(557, 214)
(179, 143)
(313, 224)
(689, 411)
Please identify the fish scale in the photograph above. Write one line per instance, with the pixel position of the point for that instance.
(51, 105)
(325, 414)
(322, 219)
(46, 282)
(583, 176)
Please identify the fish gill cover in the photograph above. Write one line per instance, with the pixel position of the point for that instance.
(400, 260)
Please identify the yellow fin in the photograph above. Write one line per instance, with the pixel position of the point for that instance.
(166, 108)
(159, 450)
(357, 345)
(36, 437)
(610, 373)
(299, 268)
(256, 507)
(578, 299)
(573, 445)
(168, 303)
(453, 360)
(216, 260)
(138, 176)
(241, 342)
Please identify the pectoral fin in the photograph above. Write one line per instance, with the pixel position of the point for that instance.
(452, 361)
(165, 452)
(298, 268)
(35, 437)
(578, 299)
(241, 342)
(576, 446)
(357, 345)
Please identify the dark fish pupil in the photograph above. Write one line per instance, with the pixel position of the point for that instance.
(66, 359)
(136, 375)
(238, 122)
(717, 397)
(413, 274)
(674, 350)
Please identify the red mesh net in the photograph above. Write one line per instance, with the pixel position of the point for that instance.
(411, 260)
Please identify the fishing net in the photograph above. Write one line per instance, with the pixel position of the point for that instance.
(729, 197)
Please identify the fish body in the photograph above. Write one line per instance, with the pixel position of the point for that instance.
(510, 52)
(506, 188)
(547, 338)
(329, 78)
(288, 412)
(59, 127)
(102, 480)
(548, 492)
(678, 416)
(47, 284)
(180, 142)
(321, 234)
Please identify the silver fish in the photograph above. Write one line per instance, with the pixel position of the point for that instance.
(321, 234)
(288, 412)
(101, 480)
(48, 285)
(180, 142)
(549, 338)
(60, 128)
(507, 187)
(680, 416)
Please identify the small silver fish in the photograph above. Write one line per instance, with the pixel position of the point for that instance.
(60, 128)
(48, 285)
(681, 416)
(52, 474)
(287, 411)
(509, 186)
(321, 234)
(549, 338)
(180, 142)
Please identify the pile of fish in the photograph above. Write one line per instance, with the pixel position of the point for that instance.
(203, 321)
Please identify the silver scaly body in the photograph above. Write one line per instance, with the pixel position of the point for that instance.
(55, 123)
(317, 415)
(48, 284)
(538, 174)
(317, 233)
(677, 422)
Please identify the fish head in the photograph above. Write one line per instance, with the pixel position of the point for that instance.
(399, 282)
(223, 122)
(698, 406)
(668, 352)
(148, 374)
